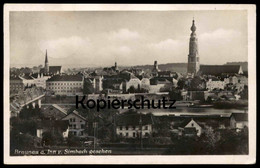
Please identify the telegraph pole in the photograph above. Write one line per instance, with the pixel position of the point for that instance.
(95, 125)
(141, 131)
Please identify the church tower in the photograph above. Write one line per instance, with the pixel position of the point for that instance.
(46, 66)
(193, 57)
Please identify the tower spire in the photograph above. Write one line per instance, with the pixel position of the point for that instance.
(46, 67)
(46, 57)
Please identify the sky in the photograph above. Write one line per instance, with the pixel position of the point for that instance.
(99, 38)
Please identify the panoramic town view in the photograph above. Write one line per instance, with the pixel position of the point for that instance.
(47, 112)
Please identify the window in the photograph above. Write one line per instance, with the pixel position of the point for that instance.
(121, 134)
(192, 124)
(126, 134)
(82, 126)
(126, 127)
(74, 126)
(120, 128)
(81, 132)
(133, 134)
(146, 127)
(133, 127)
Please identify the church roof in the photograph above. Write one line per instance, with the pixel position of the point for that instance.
(219, 69)
(52, 69)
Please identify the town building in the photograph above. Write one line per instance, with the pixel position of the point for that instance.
(215, 83)
(134, 125)
(238, 121)
(77, 124)
(97, 81)
(133, 81)
(53, 126)
(53, 112)
(193, 57)
(16, 84)
(190, 128)
(65, 84)
(28, 80)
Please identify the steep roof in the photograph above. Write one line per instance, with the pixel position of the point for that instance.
(77, 114)
(15, 77)
(58, 124)
(66, 78)
(219, 69)
(240, 116)
(134, 119)
(27, 76)
(49, 112)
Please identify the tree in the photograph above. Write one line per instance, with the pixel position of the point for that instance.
(181, 84)
(210, 138)
(73, 141)
(20, 141)
(175, 95)
(88, 87)
(197, 84)
(131, 89)
(51, 138)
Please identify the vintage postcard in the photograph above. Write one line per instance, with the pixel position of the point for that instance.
(129, 84)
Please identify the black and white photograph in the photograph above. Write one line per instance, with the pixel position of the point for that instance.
(93, 83)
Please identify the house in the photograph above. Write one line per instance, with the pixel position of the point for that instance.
(53, 126)
(160, 85)
(165, 74)
(133, 81)
(53, 112)
(97, 81)
(218, 70)
(214, 83)
(27, 79)
(238, 121)
(190, 128)
(132, 125)
(114, 85)
(40, 79)
(242, 79)
(77, 124)
(65, 84)
(145, 83)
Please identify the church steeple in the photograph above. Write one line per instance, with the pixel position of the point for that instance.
(193, 57)
(46, 57)
(46, 67)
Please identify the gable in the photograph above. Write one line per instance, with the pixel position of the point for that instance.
(192, 123)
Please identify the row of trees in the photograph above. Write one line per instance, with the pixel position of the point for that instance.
(224, 142)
